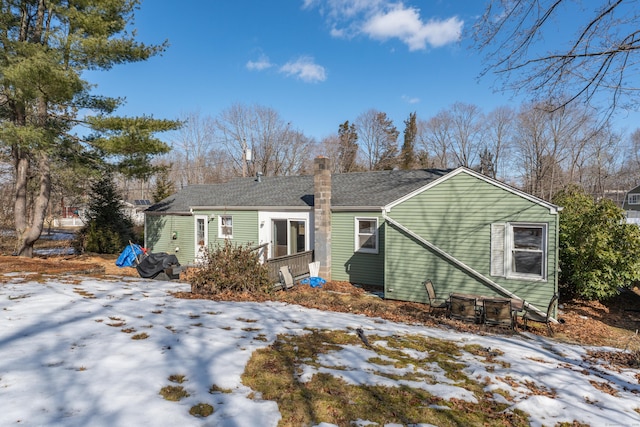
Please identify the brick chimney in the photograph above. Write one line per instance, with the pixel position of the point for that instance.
(322, 214)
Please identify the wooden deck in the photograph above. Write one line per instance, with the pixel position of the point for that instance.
(299, 264)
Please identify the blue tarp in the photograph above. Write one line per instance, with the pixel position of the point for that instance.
(314, 282)
(129, 256)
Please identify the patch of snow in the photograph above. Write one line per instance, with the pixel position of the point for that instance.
(67, 359)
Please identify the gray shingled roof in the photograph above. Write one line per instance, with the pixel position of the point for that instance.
(361, 189)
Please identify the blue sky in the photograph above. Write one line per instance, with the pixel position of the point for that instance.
(316, 62)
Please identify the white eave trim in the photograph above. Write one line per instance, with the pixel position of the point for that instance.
(357, 208)
(553, 209)
(251, 208)
(159, 213)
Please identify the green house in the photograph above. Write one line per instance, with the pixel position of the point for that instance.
(631, 205)
(393, 230)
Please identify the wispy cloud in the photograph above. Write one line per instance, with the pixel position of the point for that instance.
(261, 64)
(384, 20)
(410, 99)
(305, 69)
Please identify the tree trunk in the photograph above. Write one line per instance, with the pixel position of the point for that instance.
(29, 233)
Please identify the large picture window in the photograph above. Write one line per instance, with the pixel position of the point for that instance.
(519, 250)
(289, 236)
(367, 235)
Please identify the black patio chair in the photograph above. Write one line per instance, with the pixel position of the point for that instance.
(462, 308)
(497, 312)
(434, 302)
(537, 317)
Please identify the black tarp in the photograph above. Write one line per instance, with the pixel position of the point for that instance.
(154, 264)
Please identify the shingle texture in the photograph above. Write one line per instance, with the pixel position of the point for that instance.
(361, 189)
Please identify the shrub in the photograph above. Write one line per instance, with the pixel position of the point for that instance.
(100, 239)
(231, 268)
(599, 251)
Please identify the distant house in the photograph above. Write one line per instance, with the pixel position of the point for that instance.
(631, 205)
(75, 216)
(69, 217)
(134, 210)
(391, 229)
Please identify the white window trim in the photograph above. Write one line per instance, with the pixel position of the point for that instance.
(221, 235)
(502, 250)
(634, 199)
(510, 248)
(357, 234)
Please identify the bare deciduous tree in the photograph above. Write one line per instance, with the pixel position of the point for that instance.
(192, 146)
(276, 148)
(557, 147)
(434, 139)
(596, 51)
(466, 133)
(498, 138)
(379, 140)
(598, 174)
(533, 150)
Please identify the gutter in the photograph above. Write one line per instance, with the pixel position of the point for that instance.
(462, 265)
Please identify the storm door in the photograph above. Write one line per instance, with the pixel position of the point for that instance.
(201, 236)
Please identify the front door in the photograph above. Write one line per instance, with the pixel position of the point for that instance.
(201, 236)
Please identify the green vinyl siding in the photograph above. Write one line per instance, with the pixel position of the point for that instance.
(159, 230)
(409, 263)
(245, 227)
(350, 266)
(456, 216)
(635, 194)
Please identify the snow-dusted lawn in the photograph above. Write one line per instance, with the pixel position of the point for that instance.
(67, 358)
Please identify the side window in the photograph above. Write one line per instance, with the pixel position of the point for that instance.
(634, 199)
(519, 250)
(225, 226)
(366, 238)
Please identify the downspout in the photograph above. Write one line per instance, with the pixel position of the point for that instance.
(459, 263)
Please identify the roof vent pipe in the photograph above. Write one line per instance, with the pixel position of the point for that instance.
(259, 176)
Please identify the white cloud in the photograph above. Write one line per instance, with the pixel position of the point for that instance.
(261, 64)
(337, 32)
(410, 99)
(305, 69)
(384, 20)
(338, 9)
(406, 25)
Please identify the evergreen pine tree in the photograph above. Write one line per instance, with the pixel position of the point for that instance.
(348, 148)
(408, 155)
(164, 186)
(48, 48)
(107, 229)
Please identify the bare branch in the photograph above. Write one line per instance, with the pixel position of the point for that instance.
(593, 64)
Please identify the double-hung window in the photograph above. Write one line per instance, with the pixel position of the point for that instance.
(519, 250)
(366, 238)
(634, 199)
(225, 226)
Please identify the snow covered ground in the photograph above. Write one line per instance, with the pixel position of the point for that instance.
(65, 360)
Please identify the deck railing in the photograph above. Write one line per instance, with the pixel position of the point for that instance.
(299, 264)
